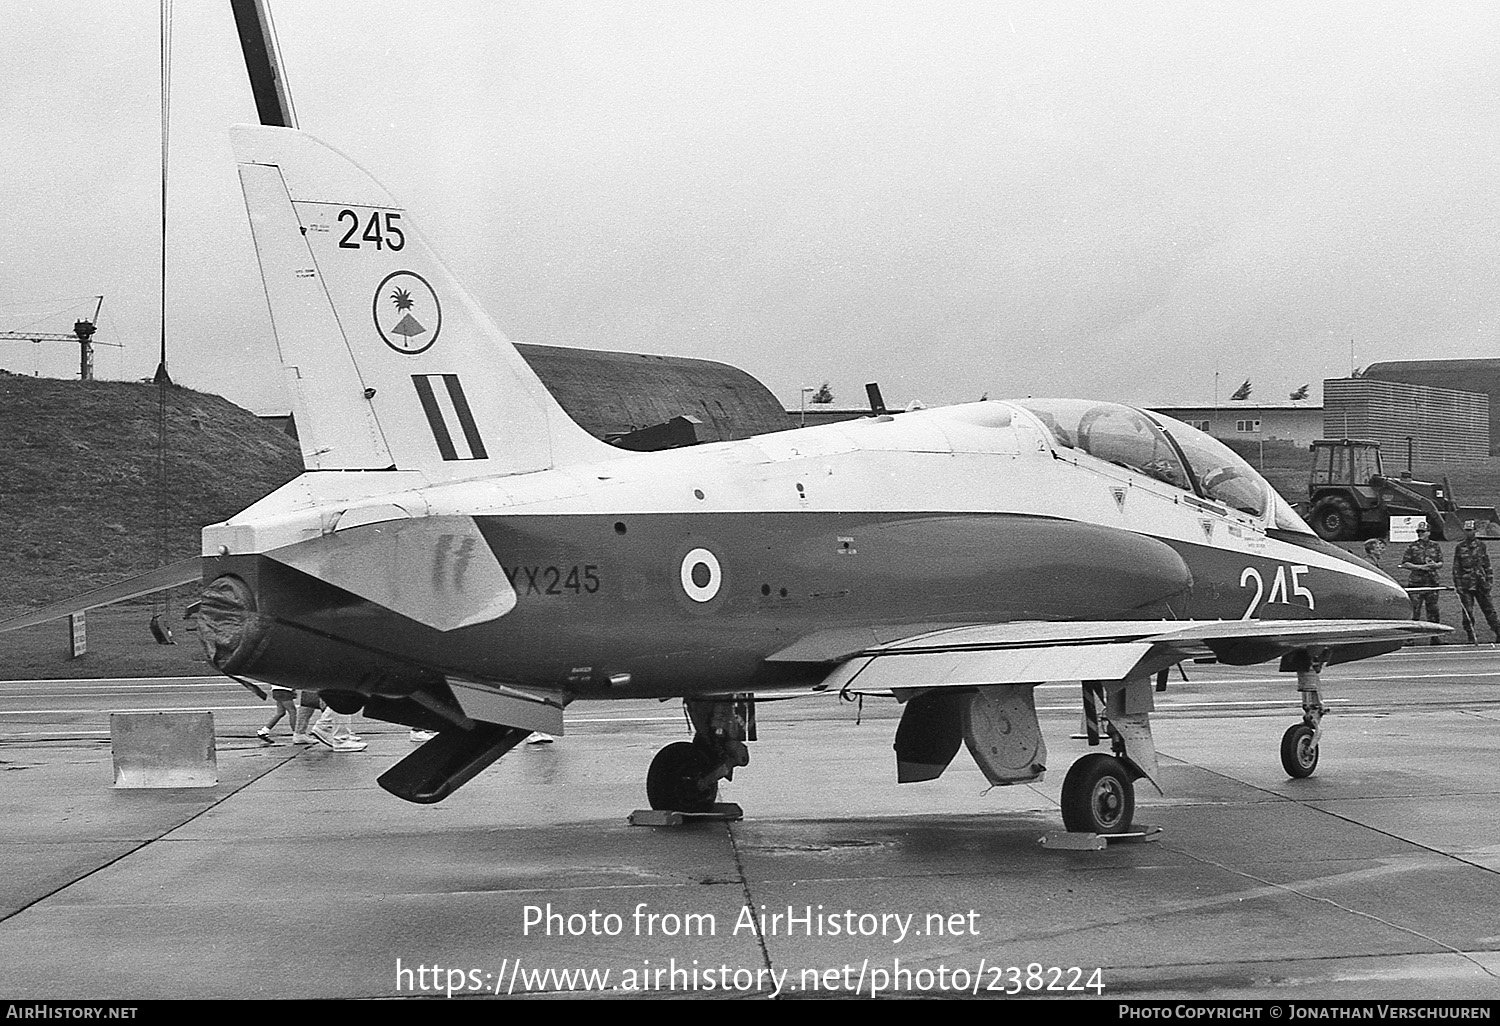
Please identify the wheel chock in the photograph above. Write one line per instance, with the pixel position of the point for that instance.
(720, 812)
(1065, 841)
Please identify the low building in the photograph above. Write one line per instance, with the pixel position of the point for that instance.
(1441, 424)
(1300, 422)
(815, 415)
(1481, 376)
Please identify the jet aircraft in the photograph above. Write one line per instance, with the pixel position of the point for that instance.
(460, 556)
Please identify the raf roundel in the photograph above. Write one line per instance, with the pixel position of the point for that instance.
(701, 575)
(407, 314)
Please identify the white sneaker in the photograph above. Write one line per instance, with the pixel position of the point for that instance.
(265, 736)
(345, 744)
(538, 738)
(418, 737)
(304, 739)
(324, 733)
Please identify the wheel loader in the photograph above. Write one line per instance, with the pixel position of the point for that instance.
(1349, 497)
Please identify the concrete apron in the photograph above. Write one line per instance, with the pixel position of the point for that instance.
(296, 876)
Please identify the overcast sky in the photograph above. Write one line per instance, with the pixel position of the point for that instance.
(1105, 199)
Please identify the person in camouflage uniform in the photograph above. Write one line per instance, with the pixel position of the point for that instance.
(1424, 559)
(1472, 579)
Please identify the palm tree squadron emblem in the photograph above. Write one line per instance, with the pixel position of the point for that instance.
(407, 314)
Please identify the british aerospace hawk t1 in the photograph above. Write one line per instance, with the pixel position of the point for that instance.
(460, 556)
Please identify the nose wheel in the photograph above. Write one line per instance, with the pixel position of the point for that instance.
(1098, 796)
(1299, 750)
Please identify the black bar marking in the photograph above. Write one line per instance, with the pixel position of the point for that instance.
(465, 416)
(434, 416)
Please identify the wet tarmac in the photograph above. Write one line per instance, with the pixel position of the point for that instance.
(297, 876)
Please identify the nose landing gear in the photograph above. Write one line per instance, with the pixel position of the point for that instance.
(1299, 745)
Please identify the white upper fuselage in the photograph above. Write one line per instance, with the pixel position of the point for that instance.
(989, 457)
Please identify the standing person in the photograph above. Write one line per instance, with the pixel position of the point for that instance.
(1374, 549)
(286, 705)
(1423, 559)
(1472, 579)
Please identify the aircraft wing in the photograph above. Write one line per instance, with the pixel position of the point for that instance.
(184, 571)
(1033, 651)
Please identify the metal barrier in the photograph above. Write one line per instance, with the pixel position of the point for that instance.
(164, 749)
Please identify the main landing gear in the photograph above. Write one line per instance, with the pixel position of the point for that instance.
(682, 778)
(1299, 745)
(1098, 794)
(685, 775)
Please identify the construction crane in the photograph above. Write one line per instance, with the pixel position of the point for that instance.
(83, 334)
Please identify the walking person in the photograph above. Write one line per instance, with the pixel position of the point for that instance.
(309, 704)
(336, 730)
(286, 705)
(1472, 578)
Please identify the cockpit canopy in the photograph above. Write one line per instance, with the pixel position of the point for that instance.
(1167, 450)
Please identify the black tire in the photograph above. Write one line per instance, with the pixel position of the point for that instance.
(675, 781)
(343, 701)
(1335, 519)
(1299, 757)
(1098, 796)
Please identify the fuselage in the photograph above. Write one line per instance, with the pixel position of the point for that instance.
(755, 565)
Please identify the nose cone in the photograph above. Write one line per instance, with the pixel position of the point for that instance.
(1360, 594)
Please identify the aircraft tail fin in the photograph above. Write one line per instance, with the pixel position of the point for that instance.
(390, 362)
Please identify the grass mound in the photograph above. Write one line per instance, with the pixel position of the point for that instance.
(83, 499)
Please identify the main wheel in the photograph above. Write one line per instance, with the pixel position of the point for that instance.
(1097, 796)
(1335, 519)
(676, 780)
(343, 701)
(1299, 755)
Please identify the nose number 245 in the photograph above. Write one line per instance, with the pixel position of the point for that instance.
(1251, 577)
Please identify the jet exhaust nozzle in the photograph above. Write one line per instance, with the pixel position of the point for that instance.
(241, 640)
(229, 627)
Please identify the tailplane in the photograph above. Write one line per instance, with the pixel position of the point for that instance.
(391, 364)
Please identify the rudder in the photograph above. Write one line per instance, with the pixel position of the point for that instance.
(391, 363)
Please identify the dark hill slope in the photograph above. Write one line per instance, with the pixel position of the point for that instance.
(80, 502)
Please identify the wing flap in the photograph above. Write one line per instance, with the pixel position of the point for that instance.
(894, 671)
(1025, 634)
(1035, 651)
